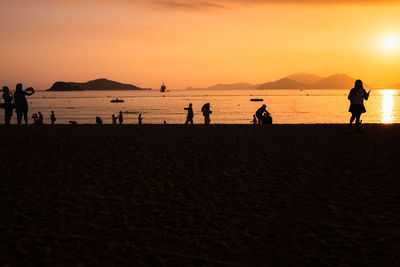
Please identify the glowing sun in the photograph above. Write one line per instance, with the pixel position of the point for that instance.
(390, 42)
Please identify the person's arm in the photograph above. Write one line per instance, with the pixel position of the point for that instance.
(350, 95)
(30, 91)
(366, 95)
(186, 108)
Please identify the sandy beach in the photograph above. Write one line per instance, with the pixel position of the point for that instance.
(218, 195)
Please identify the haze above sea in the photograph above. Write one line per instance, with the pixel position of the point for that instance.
(228, 106)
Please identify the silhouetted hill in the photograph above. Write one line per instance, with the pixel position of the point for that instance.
(296, 81)
(337, 81)
(63, 86)
(99, 84)
(305, 77)
(233, 86)
(284, 83)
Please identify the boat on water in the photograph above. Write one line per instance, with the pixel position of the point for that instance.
(117, 101)
(256, 99)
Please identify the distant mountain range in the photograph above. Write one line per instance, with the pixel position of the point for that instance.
(99, 84)
(296, 81)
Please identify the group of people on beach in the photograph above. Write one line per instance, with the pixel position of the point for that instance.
(205, 110)
(120, 118)
(17, 101)
(356, 96)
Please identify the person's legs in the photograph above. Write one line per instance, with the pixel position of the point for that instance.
(19, 117)
(191, 121)
(26, 116)
(6, 121)
(8, 114)
(358, 116)
(353, 116)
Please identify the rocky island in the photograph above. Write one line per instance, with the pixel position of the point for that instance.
(98, 84)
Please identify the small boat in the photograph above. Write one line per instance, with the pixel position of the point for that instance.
(117, 101)
(256, 99)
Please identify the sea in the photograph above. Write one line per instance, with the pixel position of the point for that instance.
(227, 106)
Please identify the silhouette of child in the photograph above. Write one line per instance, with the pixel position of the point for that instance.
(35, 118)
(40, 121)
(114, 119)
(99, 121)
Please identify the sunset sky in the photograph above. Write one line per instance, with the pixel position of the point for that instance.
(196, 43)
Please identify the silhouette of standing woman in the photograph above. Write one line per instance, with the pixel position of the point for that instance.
(21, 105)
(356, 97)
(190, 114)
(206, 113)
(8, 105)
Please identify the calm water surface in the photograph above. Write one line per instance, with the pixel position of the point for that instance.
(229, 107)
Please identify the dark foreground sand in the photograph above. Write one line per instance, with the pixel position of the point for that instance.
(175, 195)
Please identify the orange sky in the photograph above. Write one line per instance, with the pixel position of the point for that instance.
(196, 43)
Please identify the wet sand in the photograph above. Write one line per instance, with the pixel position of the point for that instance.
(218, 195)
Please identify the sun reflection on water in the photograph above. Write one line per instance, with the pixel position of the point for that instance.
(387, 106)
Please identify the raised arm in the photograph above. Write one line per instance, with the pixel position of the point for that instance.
(366, 95)
(29, 91)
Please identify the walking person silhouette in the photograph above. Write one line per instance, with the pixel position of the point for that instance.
(190, 114)
(206, 113)
(8, 105)
(21, 105)
(356, 97)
